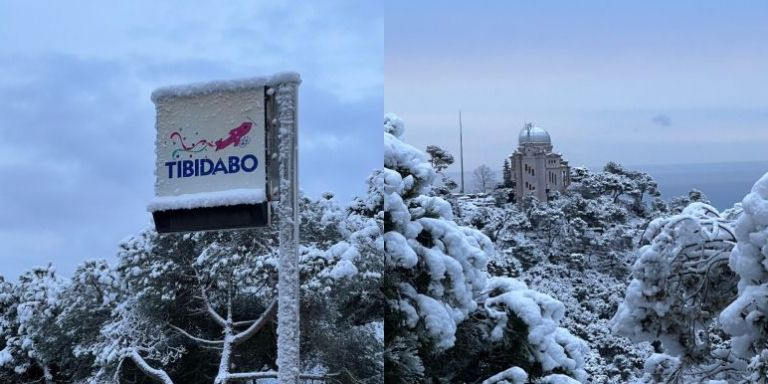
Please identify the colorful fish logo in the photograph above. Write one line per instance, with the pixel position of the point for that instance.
(237, 136)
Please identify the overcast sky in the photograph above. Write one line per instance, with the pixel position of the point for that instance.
(77, 124)
(639, 82)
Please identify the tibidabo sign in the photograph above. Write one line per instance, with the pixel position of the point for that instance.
(211, 155)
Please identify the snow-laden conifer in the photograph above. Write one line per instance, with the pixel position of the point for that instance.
(681, 281)
(440, 301)
(746, 318)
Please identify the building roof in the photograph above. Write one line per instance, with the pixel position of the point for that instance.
(531, 134)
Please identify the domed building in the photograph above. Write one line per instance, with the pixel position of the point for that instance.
(533, 169)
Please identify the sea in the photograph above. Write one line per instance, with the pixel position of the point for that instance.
(723, 183)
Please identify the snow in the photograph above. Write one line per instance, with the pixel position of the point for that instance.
(448, 298)
(5, 357)
(207, 199)
(452, 285)
(398, 251)
(438, 320)
(455, 261)
(393, 125)
(553, 346)
(660, 365)
(692, 244)
(745, 317)
(514, 375)
(157, 374)
(558, 379)
(342, 269)
(401, 156)
(225, 85)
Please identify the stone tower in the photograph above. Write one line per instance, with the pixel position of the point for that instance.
(533, 168)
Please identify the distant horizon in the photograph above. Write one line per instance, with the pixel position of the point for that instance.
(627, 165)
(724, 187)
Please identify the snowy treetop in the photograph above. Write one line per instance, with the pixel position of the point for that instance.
(206, 88)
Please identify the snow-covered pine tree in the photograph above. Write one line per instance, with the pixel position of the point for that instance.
(618, 183)
(177, 292)
(641, 185)
(583, 263)
(134, 342)
(440, 160)
(445, 320)
(678, 203)
(746, 318)
(8, 324)
(681, 281)
(342, 307)
(87, 302)
(506, 173)
(30, 331)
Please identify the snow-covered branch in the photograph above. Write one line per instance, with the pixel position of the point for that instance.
(683, 266)
(157, 374)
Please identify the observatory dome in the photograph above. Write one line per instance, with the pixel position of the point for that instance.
(531, 134)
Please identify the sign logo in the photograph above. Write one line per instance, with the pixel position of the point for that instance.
(204, 167)
(237, 136)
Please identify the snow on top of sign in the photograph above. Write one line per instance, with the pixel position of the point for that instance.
(208, 199)
(224, 85)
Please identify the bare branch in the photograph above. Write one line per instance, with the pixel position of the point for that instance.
(116, 377)
(270, 374)
(265, 317)
(213, 348)
(215, 315)
(195, 338)
(243, 323)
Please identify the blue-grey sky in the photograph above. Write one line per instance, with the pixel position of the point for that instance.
(77, 124)
(639, 82)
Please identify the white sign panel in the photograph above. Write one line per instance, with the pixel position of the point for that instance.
(210, 141)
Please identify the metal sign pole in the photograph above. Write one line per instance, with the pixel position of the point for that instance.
(288, 357)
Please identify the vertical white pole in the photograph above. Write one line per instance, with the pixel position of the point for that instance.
(288, 357)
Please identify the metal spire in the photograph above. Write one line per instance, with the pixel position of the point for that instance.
(461, 152)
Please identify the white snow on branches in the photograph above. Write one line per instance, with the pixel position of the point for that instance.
(746, 317)
(441, 278)
(680, 280)
(514, 375)
(425, 236)
(553, 346)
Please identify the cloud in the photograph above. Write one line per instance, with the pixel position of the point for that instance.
(662, 120)
(335, 44)
(77, 123)
(78, 171)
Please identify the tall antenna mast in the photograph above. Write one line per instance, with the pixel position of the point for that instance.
(461, 151)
